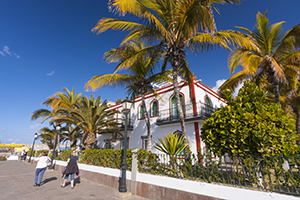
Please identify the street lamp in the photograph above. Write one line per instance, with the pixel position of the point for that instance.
(126, 105)
(57, 128)
(35, 136)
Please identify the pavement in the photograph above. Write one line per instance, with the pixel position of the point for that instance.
(17, 179)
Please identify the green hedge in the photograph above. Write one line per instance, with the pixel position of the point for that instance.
(106, 157)
(37, 153)
(113, 158)
(2, 159)
(64, 155)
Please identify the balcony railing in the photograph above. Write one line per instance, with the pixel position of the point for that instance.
(168, 116)
(129, 126)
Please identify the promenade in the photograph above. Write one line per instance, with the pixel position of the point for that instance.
(17, 179)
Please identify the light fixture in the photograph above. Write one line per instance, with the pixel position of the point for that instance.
(58, 127)
(126, 104)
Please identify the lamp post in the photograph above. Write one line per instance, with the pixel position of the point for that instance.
(35, 136)
(126, 105)
(57, 128)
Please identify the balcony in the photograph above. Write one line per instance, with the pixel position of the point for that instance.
(203, 112)
(129, 126)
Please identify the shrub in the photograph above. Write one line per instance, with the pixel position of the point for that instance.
(64, 155)
(106, 157)
(2, 159)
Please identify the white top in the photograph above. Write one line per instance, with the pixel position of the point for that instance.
(42, 161)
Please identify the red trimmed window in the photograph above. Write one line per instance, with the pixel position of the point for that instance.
(154, 108)
(141, 112)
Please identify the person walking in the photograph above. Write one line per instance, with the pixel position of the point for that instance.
(70, 169)
(42, 163)
(22, 155)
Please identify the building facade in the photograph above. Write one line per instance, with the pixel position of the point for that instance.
(198, 103)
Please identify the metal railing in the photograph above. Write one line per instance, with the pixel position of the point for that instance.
(129, 126)
(204, 111)
(277, 174)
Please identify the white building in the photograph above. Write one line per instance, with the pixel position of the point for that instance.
(198, 103)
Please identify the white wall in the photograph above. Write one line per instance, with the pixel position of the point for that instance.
(196, 187)
(139, 126)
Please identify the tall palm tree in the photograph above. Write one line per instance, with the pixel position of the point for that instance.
(91, 116)
(275, 54)
(139, 77)
(177, 26)
(59, 99)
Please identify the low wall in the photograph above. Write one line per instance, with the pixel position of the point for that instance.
(167, 188)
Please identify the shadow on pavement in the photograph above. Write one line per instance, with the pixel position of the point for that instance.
(77, 180)
(48, 180)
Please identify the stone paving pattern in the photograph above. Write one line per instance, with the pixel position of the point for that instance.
(17, 179)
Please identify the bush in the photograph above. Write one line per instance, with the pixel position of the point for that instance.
(37, 152)
(2, 159)
(64, 155)
(106, 157)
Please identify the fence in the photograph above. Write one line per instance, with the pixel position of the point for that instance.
(277, 174)
(204, 111)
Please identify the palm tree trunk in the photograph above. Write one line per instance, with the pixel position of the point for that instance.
(175, 56)
(275, 85)
(89, 140)
(147, 120)
(179, 107)
(275, 88)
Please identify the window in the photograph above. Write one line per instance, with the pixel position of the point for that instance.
(174, 111)
(208, 106)
(144, 142)
(141, 112)
(154, 108)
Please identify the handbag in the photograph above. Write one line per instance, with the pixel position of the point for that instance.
(63, 171)
(48, 163)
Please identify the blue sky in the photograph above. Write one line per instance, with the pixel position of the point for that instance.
(48, 45)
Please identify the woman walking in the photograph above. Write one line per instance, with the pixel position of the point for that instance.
(41, 166)
(71, 169)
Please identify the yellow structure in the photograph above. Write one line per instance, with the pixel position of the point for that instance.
(12, 145)
(17, 148)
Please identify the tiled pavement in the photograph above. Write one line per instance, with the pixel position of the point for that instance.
(17, 178)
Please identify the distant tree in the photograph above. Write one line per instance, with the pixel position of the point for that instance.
(250, 125)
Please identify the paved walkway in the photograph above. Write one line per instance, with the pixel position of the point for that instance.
(17, 178)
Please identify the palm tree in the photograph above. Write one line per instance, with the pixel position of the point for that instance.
(176, 26)
(275, 54)
(141, 75)
(71, 134)
(59, 99)
(48, 136)
(91, 116)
